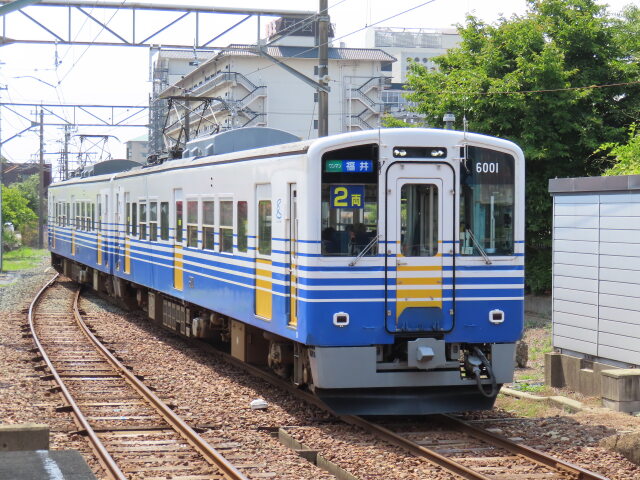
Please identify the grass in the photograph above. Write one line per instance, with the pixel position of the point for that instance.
(22, 259)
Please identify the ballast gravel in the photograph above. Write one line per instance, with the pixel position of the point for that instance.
(215, 397)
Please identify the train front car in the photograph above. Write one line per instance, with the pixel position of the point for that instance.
(414, 299)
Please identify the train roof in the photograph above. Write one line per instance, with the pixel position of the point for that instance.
(317, 145)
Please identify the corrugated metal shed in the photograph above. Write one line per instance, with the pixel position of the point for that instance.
(596, 267)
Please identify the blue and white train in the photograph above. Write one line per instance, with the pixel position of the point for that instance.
(382, 269)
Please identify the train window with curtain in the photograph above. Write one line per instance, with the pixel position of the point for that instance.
(349, 213)
(242, 226)
(264, 227)
(143, 221)
(192, 223)
(208, 222)
(486, 202)
(134, 219)
(164, 220)
(226, 226)
(153, 221)
(419, 220)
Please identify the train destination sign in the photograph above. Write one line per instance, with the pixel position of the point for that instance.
(347, 196)
(348, 166)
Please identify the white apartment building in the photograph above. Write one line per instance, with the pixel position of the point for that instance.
(410, 45)
(245, 88)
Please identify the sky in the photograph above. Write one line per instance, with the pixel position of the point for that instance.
(120, 75)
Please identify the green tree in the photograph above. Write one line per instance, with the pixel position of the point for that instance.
(29, 189)
(532, 79)
(15, 208)
(626, 157)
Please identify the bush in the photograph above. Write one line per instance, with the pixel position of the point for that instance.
(10, 241)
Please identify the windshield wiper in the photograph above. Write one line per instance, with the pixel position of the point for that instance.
(364, 251)
(477, 245)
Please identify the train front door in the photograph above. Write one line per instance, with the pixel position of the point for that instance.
(420, 221)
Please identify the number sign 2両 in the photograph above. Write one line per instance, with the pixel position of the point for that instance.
(347, 196)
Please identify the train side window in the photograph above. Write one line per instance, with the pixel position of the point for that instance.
(349, 212)
(93, 217)
(143, 221)
(226, 226)
(99, 214)
(179, 215)
(127, 214)
(82, 217)
(264, 227)
(242, 226)
(134, 219)
(192, 223)
(208, 228)
(164, 220)
(153, 221)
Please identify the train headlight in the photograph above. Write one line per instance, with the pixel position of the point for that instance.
(341, 319)
(496, 317)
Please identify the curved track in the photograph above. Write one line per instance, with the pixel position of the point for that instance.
(131, 431)
(456, 446)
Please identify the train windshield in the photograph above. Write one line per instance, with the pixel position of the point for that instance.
(486, 202)
(350, 201)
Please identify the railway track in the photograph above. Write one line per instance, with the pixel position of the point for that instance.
(132, 432)
(458, 447)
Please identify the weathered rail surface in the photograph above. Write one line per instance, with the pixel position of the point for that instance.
(132, 432)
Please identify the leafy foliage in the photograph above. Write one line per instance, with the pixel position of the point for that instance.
(15, 208)
(626, 157)
(531, 79)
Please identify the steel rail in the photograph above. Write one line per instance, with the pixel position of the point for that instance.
(105, 458)
(180, 426)
(434, 457)
(523, 451)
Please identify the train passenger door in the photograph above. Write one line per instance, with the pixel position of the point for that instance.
(264, 277)
(293, 255)
(178, 234)
(420, 219)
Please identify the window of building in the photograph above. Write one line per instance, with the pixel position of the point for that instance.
(264, 227)
(208, 225)
(192, 223)
(349, 213)
(226, 226)
(164, 220)
(242, 226)
(153, 221)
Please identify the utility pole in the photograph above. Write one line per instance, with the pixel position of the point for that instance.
(41, 212)
(323, 68)
(65, 152)
(2, 87)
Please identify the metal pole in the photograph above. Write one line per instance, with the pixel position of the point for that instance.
(65, 153)
(323, 69)
(41, 186)
(1, 168)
